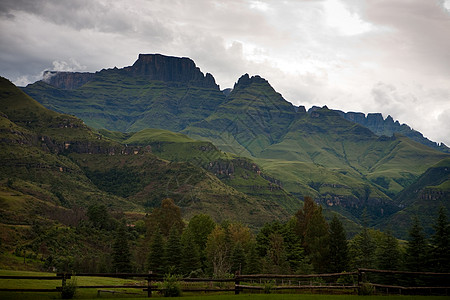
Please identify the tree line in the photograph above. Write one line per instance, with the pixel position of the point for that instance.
(162, 242)
(305, 244)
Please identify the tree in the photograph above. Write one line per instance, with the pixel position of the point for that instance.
(276, 259)
(295, 253)
(190, 258)
(165, 217)
(416, 258)
(316, 240)
(218, 250)
(238, 260)
(362, 250)
(121, 251)
(199, 227)
(440, 243)
(99, 217)
(388, 252)
(156, 256)
(253, 263)
(173, 252)
(339, 260)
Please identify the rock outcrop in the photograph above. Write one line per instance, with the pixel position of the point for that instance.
(67, 80)
(388, 127)
(150, 66)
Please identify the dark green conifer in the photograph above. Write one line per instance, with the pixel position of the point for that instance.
(416, 258)
(156, 256)
(388, 252)
(253, 263)
(440, 242)
(121, 251)
(238, 259)
(339, 259)
(190, 258)
(173, 252)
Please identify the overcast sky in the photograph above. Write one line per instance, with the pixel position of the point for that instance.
(388, 56)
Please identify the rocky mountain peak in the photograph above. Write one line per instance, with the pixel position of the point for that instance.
(170, 69)
(151, 66)
(246, 80)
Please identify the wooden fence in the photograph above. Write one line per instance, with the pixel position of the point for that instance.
(259, 282)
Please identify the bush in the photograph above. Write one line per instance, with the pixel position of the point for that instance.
(366, 289)
(268, 286)
(68, 290)
(171, 286)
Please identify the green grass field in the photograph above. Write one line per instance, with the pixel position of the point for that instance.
(92, 293)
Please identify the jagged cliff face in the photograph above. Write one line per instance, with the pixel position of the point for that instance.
(170, 69)
(67, 80)
(149, 66)
(388, 127)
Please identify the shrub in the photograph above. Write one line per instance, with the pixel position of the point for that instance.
(171, 286)
(268, 286)
(68, 290)
(366, 289)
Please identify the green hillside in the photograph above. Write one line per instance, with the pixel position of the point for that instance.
(100, 102)
(61, 162)
(422, 198)
(343, 165)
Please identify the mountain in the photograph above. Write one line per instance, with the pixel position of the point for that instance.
(345, 166)
(53, 163)
(422, 198)
(380, 126)
(155, 90)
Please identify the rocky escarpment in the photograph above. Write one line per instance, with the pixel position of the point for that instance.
(67, 80)
(149, 66)
(170, 69)
(388, 127)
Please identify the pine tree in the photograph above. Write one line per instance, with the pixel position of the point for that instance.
(339, 259)
(388, 252)
(238, 259)
(253, 263)
(121, 251)
(317, 241)
(173, 252)
(440, 242)
(362, 250)
(190, 258)
(416, 258)
(156, 256)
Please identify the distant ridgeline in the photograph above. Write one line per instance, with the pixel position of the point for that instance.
(348, 162)
(387, 127)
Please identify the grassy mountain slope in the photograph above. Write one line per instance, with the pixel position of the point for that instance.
(343, 165)
(57, 159)
(253, 117)
(422, 198)
(149, 103)
(237, 172)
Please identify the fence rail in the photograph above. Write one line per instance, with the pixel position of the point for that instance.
(241, 282)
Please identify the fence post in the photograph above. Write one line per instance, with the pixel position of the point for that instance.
(149, 284)
(236, 282)
(63, 284)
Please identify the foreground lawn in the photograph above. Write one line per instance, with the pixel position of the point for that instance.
(91, 293)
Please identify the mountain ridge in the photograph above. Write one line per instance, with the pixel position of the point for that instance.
(345, 166)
